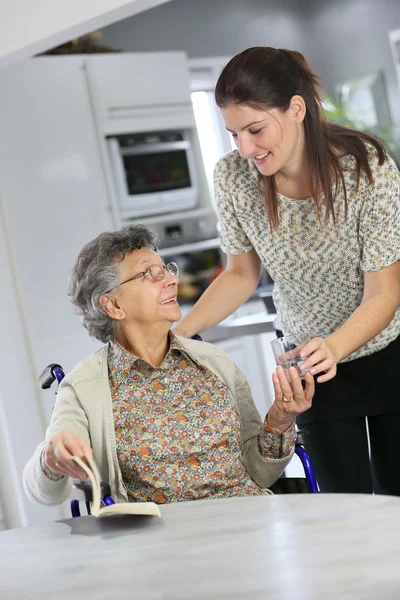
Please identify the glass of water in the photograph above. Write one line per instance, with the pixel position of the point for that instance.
(287, 355)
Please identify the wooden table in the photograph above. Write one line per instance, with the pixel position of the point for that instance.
(287, 547)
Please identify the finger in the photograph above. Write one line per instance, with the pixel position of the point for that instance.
(323, 366)
(310, 387)
(78, 447)
(290, 354)
(61, 468)
(277, 387)
(75, 445)
(87, 450)
(74, 472)
(295, 384)
(315, 358)
(284, 383)
(311, 346)
(330, 374)
(64, 461)
(57, 466)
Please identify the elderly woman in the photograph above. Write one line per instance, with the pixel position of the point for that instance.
(166, 418)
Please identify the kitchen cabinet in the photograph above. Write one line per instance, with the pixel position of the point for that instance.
(2, 519)
(246, 352)
(141, 91)
(53, 200)
(253, 355)
(54, 195)
(144, 92)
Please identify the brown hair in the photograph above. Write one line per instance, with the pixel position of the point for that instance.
(265, 78)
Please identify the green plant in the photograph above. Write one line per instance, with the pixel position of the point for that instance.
(387, 134)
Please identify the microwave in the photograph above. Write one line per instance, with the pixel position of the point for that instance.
(154, 173)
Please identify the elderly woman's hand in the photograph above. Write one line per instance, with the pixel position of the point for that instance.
(60, 450)
(290, 398)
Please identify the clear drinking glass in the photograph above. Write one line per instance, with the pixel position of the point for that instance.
(288, 355)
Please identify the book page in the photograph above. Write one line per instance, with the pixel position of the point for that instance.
(131, 508)
(123, 508)
(94, 480)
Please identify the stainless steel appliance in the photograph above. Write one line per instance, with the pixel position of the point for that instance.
(194, 244)
(154, 173)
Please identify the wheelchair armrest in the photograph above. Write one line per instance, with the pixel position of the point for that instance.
(82, 491)
(299, 438)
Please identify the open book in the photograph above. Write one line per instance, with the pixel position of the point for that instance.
(123, 508)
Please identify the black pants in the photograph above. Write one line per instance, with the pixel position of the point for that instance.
(339, 452)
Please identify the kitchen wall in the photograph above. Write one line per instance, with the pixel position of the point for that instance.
(353, 38)
(213, 27)
(27, 28)
(340, 38)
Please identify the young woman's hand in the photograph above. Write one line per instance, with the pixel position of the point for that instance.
(290, 398)
(60, 450)
(320, 358)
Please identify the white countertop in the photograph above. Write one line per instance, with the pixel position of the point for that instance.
(250, 319)
(252, 324)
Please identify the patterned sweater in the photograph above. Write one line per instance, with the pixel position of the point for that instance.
(318, 269)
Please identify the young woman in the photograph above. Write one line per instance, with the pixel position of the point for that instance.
(319, 205)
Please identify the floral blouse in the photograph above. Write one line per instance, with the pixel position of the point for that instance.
(178, 434)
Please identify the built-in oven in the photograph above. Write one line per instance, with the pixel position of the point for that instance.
(199, 264)
(194, 244)
(154, 173)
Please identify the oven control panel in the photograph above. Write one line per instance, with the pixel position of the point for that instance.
(186, 230)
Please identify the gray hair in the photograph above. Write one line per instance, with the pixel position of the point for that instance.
(95, 273)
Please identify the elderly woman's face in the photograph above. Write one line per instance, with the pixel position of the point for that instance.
(144, 300)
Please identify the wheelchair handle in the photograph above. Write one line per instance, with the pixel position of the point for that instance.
(49, 375)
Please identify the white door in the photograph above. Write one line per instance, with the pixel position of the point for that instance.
(53, 200)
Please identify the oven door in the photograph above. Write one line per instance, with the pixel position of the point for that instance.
(153, 178)
(199, 264)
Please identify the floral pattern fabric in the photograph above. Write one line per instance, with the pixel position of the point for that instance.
(177, 431)
(317, 268)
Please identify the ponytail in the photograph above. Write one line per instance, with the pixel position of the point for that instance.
(265, 78)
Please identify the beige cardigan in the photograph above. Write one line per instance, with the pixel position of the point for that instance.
(84, 406)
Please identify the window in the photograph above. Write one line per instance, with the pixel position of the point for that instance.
(214, 140)
(207, 129)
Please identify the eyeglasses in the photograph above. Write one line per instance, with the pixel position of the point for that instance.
(156, 272)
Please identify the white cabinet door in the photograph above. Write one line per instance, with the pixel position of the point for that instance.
(253, 355)
(245, 352)
(54, 197)
(140, 81)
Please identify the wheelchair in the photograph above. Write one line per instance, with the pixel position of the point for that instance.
(82, 492)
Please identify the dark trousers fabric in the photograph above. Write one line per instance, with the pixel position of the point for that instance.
(367, 386)
(339, 453)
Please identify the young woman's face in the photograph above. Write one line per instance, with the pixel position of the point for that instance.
(271, 139)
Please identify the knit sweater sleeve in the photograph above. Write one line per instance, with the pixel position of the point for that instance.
(233, 239)
(68, 414)
(261, 466)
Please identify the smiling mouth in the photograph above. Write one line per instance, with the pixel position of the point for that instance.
(260, 156)
(170, 300)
